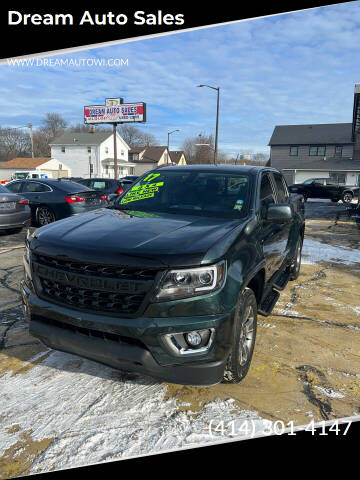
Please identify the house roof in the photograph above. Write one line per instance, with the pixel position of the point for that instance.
(324, 133)
(330, 164)
(176, 155)
(152, 154)
(29, 163)
(137, 149)
(83, 138)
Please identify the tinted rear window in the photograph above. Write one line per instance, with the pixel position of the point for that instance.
(4, 190)
(71, 187)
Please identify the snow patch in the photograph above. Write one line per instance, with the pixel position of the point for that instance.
(328, 392)
(315, 252)
(96, 414)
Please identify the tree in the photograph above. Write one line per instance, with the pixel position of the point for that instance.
(199, 149)
(135, 137)
(41, 144)
(14, 143)
(53, 125)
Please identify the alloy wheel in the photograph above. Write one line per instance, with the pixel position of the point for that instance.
(246, 337)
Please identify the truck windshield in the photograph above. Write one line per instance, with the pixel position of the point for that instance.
(189, 192)
(20, 175)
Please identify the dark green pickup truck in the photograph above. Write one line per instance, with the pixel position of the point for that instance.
(169, 279)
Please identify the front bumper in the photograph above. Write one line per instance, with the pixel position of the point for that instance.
(131, 344)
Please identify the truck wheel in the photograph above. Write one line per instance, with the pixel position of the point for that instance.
(347, 197)
(239, 359)
(296, 263)
(44, 216)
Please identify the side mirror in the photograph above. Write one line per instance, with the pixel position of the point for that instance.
(279, 213)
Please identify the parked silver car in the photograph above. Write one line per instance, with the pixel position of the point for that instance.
(14, 210)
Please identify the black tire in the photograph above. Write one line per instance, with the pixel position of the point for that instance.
(347, 197)
(239, 360)
(44, 216)
(296, 263)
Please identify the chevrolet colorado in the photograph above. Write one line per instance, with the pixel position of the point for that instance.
(169, 278)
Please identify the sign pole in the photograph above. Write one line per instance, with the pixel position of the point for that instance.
(115, 152)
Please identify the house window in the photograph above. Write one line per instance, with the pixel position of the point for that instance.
(89, 149)
(63, 149)
(132, 171)
(106, 149)
(122, 153)
(338, 177)
(317, 151)
(338, 150)
(294, 151)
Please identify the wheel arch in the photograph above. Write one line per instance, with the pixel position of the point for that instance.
(257, 283)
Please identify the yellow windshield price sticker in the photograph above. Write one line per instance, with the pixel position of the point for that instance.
(146, 190)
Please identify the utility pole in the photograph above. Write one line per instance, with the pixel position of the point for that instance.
(115, 152)
(32, 139)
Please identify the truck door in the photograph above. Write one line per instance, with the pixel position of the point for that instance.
(317, 188)
(271, 233)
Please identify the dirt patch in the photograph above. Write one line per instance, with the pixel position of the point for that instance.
(18, 458)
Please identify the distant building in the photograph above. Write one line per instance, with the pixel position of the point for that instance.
(177, 157)
(96, 149)
(41, 165)
(149, 157)
(319, 150)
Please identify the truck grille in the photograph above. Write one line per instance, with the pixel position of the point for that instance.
(97, 270)
(55, 285)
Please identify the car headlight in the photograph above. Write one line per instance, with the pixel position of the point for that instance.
(191, 282)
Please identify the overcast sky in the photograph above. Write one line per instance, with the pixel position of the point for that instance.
(287, 69)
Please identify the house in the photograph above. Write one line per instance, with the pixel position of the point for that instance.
(92, 151)
(319, 150)
(41, 165)
(149, 157)
(177, 157)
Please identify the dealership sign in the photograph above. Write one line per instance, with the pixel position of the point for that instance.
(121, 113)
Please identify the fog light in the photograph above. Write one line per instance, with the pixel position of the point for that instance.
(193, 339)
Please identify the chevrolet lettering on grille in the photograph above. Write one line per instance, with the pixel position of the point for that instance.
(84, 281)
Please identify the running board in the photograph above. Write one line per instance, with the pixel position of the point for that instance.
(282, 280)
(268, 303)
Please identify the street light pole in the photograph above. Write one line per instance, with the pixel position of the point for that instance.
(168, 142)
(217, 119)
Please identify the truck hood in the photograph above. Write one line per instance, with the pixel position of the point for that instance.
(113, 236)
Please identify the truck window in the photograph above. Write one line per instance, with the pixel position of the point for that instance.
(266, 194)
(280, 188)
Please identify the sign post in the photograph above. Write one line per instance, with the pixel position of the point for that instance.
(114, 112)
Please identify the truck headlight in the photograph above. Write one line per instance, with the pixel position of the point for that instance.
(191, 282)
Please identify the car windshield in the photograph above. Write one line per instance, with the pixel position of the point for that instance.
(307, 182)
(189, 192)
